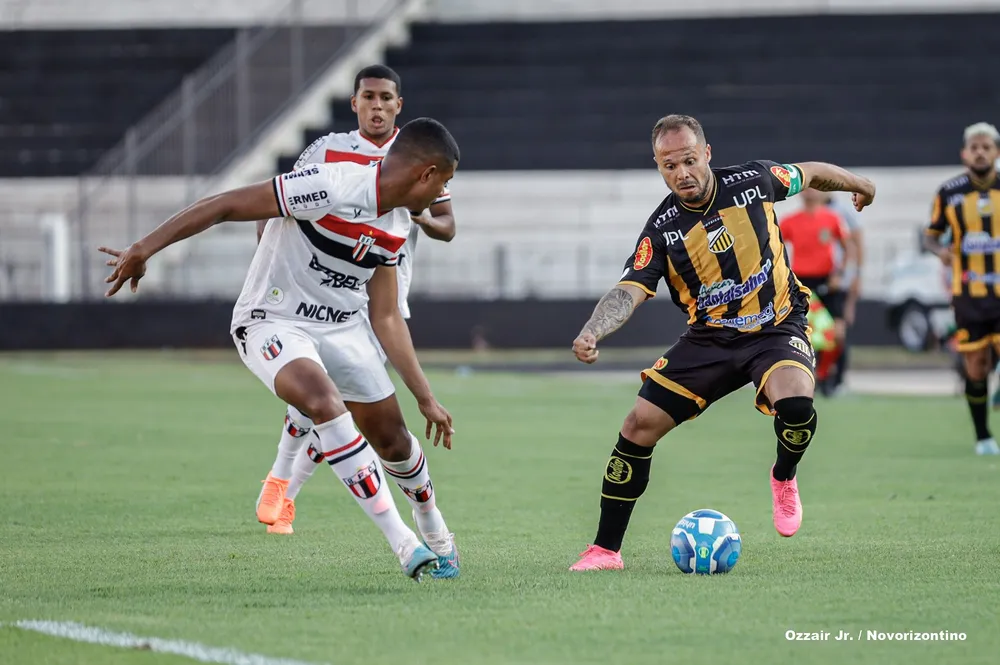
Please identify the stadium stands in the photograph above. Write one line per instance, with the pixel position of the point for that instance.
(583, 95)
(67, 96)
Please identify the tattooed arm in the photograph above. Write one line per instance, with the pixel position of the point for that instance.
(611, 313)
(830, 178)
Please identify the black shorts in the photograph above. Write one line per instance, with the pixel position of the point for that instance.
(977, 321)
(701, 369)
(834, 301)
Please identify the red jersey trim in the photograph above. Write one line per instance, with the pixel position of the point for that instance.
(355, 230)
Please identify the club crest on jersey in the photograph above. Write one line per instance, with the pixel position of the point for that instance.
(720, 240)
(271, 348)
(361, 248)
(643, 254)
(421, 494)
(365, 482)
(782, 174)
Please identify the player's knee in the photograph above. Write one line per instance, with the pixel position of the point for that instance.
(322, 406)
(977, 366)
(795, 422)
(638, 427)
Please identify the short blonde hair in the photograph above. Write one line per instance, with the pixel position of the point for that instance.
(981, 129)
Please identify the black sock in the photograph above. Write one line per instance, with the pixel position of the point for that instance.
(625, 480)
(795, 425)
(975, 395)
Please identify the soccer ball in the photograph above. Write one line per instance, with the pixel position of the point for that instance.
(705, 542)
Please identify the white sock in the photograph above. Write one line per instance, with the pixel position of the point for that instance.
(293, 438)
(355, 463)
(414, 479)
(307, 460)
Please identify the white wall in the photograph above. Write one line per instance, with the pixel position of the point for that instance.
(563, 234)
(15, 14)
(536, 10)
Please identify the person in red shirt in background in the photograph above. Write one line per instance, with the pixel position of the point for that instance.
(813, 236)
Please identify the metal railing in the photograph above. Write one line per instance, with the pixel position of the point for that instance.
(172, 156)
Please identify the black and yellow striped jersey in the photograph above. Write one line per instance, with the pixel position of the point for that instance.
(724, 264)
(967, 207)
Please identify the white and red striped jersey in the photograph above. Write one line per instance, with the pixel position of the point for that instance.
(353, 147)
(312, 265)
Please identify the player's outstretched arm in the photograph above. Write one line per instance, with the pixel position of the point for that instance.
(611, 313)
(831, 178)
(238, 205)
(394, 335)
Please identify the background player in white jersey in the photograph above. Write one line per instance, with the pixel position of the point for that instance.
(295, 334)
(377, 101)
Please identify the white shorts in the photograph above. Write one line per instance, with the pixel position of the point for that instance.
(351, 355)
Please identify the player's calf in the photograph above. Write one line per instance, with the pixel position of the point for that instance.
(404, 461)
(626, 477)
(795, 425)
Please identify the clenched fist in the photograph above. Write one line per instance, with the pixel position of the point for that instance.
(585, 348)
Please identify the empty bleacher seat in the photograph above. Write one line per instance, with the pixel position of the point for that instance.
(66, 96)
(882, 90)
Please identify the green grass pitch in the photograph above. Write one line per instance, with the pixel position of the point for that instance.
(128, 493)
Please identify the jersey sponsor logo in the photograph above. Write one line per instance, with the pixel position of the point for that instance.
(308, 153)
(643, 254)
(258, 314)
(619, 471)
(362, 246)
(666, 217)
(745, 322)
(336, 279)
(711, 221)
(365, 483)
(720, 240)
(749, 196)
(782, 174)
(323, 313)
(310, 200)
(980, 242)
(739, 177)
(727, 290)
(983, 278)
(357, 213)
(673, 236)
(301, 173)
(271, 348)
(660, 364)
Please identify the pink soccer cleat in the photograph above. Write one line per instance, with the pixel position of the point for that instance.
(598, 558)
(786, 505)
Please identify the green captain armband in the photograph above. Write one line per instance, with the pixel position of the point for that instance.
(795, 182)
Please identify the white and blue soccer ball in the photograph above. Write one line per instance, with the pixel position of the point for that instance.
(705, 542)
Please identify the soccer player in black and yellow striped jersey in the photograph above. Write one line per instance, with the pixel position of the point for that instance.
(715, 241)
(969, 206)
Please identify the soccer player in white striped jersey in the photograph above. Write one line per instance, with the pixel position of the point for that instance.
(377, 101)
(322, 349)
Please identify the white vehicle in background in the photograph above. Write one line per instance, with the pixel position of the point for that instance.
(918, 295)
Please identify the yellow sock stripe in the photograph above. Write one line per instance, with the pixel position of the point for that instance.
(618, 498)
(618, 452)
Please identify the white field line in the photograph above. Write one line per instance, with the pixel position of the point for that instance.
(193, 650)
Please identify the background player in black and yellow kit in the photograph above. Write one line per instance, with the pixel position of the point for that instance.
(715, 241)
(968, 206)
